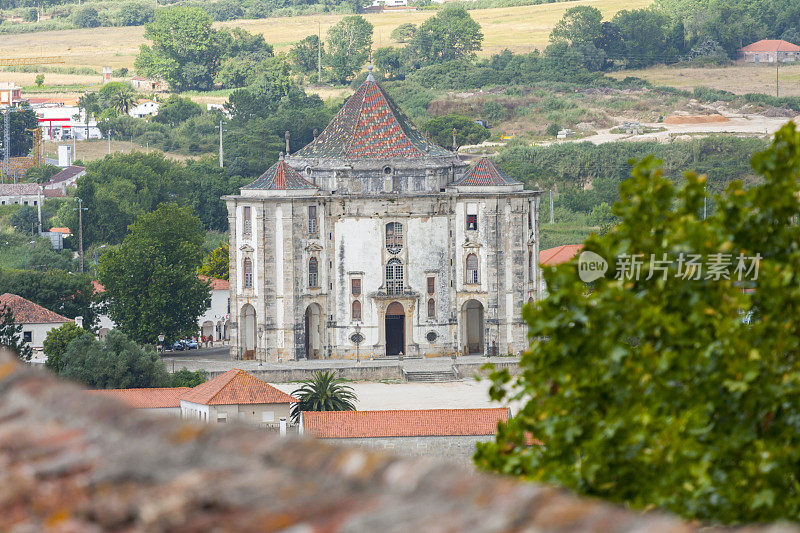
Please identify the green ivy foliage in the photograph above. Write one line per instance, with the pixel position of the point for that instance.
(655, 393)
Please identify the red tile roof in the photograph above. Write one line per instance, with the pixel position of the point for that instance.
(770, 45)
(216, 283)
(371, 126)
(19, 189)
(485, 173)
(236, 387)
(27, 312)
(66, 174)
(559, 254)
(146, 398)
(54, 193)
(406, 423)
(280, 177)
(59, 229)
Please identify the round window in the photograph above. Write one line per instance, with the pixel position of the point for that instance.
(308, 171)
(356, 338)
(431, 336)
(387, 170)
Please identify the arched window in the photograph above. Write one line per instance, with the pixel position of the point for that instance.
(247, 271)
(394, 237)
(530, 265)
(472, 269)
(355, 310)
(431, 308)
(394, 277)
(313, 273)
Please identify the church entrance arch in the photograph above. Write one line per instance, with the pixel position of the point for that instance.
(313, 331)
(248, 331)
(472, 320)
(395, 329)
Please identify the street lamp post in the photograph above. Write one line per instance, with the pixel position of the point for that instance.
(95, 257)
(80, 209)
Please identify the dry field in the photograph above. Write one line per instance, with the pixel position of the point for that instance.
(740, 79)
(521, 29)
(98, 149)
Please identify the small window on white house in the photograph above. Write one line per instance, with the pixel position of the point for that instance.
(472, 216)
(222, 418)
(27, 336)
(267, 416)
(248, 222)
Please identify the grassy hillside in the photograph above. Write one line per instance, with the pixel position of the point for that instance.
(520, 29)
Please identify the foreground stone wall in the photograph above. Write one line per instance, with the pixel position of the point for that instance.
(71, 461)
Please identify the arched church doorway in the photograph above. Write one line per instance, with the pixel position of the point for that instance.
(248, 331)
(472, 320)
(313, 331)
(395, 329)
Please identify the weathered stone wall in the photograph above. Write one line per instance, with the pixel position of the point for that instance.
(71, 461)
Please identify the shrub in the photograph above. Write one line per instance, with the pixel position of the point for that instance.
(86, 17)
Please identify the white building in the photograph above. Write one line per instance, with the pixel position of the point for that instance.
(68, 177)
(21, 193)
(10, 94)
(215, 322)
(36, 320)
(374, 242)
(144, 108)
(237, 395)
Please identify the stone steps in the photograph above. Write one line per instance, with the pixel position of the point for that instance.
(430, 376)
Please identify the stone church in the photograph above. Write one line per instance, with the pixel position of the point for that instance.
(374, 242)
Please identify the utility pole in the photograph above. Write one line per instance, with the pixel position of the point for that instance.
(80, 209)
(7, 145)
(74, 147)
(220, 142)
(778, 73)
(551, 206)
(319, 52)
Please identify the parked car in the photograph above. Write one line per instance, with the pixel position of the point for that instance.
(190, 344)
(178, 346)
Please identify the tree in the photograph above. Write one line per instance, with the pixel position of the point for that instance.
(581, 24)
(56, 342)
(222, 10)
(151, 278)
(117, 96)
(86, 17)
(176, 110)
(642, 32)
(22, 125)
(68, 294)
(403, 33)
(185, 50)
(135, 14)
(11, 335)
(215, 265)
(39, 80)
(115, 363)
(25, 220)
(660, 390)
(389, 62)
(273, 88)
(188, 378)
(41, 173)
(323, 392)
(349, 43)
(452, 34)
(440, 130)
(304, 55)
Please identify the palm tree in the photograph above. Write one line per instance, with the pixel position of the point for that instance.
(323, 392)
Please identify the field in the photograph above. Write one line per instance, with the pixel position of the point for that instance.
(98, 149)
(739, 79)
(521, 29)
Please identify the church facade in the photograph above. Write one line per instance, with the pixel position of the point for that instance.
(373, 242)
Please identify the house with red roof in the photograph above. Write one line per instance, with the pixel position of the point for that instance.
(236, 395)
(767, 50)
(450, 433)
(36, 320)
(559, 254)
